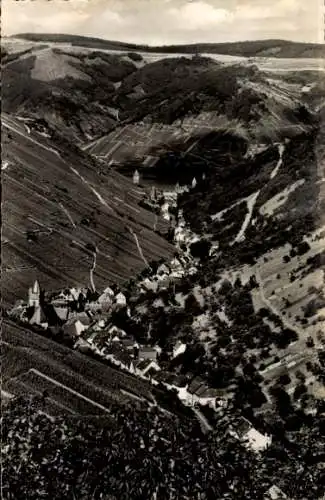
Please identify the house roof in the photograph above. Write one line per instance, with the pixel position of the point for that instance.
(275, 493)
(148, 349)
(242, 426)
(128, 342)
(62, 312)
(151, 372)
(42, 316)
(195, 384)
(123, 357)
(143, 364)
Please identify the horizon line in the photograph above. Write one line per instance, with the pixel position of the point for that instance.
(282, 40)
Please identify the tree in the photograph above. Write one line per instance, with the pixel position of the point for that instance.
(200, 249)
(284, 379)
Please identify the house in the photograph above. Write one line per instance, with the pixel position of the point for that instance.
(147, 353)
(82, 345)
(120, 299)
(195, 384)
(145, 366)
(119, 355)
(129, 343)
(62, 312)
(163, 270)
(114, 331)
(34, 294)
(243, 430)
(62, 299)
(200, 392)
(274, 493)
(179, 348)
(74, 327)
(106, 298)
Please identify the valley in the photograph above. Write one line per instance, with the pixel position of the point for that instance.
(163, 265)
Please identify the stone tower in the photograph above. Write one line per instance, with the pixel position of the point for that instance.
(34, 295)
(136, 177)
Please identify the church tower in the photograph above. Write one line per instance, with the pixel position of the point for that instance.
(136, 177)
(34, 295)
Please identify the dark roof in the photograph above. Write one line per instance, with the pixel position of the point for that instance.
(242, 426)
(142, 365)
(128, 342)
(123, 356)
(195, 384)
(179, 381)
(151, 372)
(147, 349)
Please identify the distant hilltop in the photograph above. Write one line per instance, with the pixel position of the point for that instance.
(256, 48)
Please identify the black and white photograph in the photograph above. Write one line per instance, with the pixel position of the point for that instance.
(162, 250)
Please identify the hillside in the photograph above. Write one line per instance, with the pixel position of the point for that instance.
(66, 223)
(258, 48)
(85, 94)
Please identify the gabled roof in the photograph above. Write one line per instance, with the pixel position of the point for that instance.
(147, 349)
(195, 384)
(38, 316)
(127, 342)
(123, 356)
(242, 426)
(151, 372)
(143, 364)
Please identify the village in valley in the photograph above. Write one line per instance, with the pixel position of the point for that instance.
(81, 318)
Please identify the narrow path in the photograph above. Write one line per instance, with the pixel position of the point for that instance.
(274, 172)
(251, 200)
(96, 193)
(139, 247)
(91, 274)
(75, 393)
(67, 213)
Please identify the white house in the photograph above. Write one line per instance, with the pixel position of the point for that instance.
(106, 297)
(178, 349)
(248, 435)
(274, 493)
(120, 299)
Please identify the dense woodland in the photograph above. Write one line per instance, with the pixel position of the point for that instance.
(143, 453)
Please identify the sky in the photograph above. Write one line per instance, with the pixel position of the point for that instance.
(162, 22)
